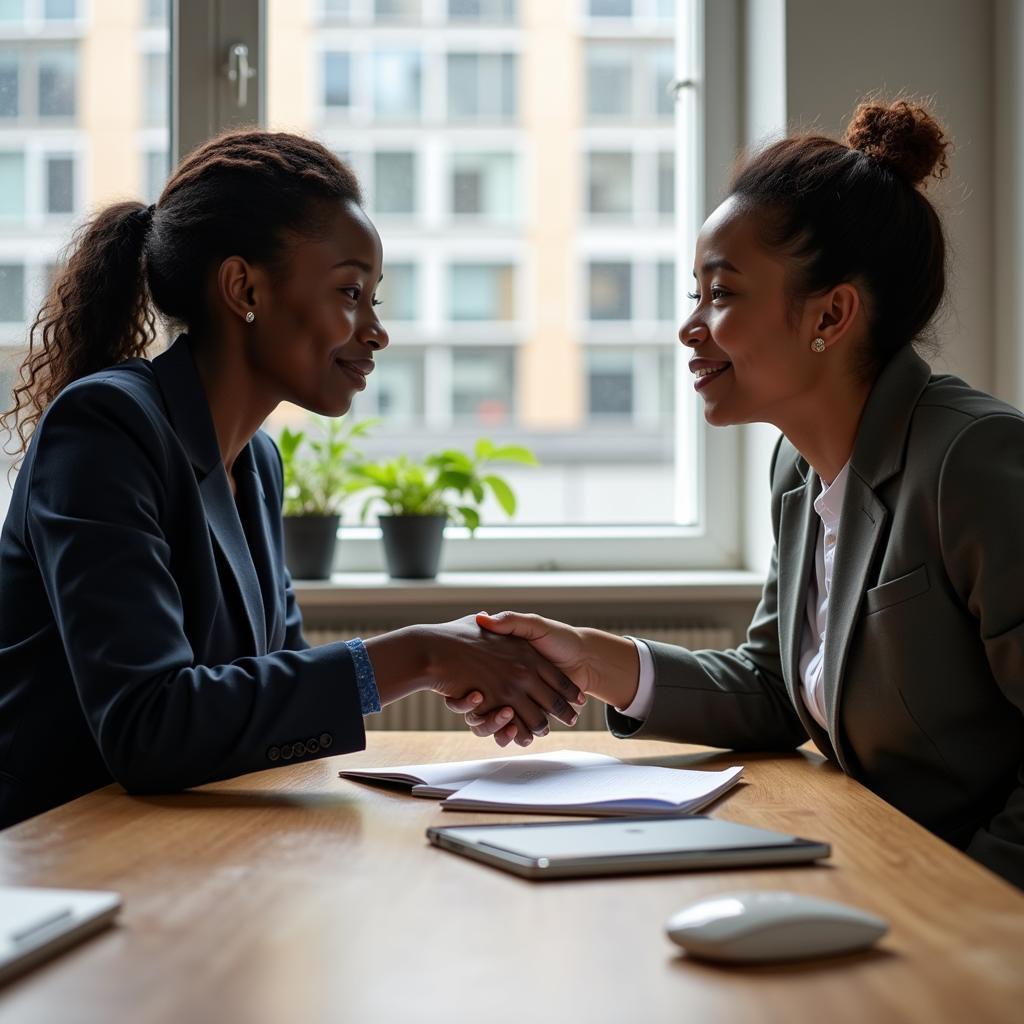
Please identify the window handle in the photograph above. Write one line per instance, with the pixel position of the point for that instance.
(239, 71)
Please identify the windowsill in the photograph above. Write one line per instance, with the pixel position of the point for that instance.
(357, 589)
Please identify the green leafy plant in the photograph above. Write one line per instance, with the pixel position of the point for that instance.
(448, 483)
(318, 463)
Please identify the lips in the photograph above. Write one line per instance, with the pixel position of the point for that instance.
(707, 370)
(357, 370)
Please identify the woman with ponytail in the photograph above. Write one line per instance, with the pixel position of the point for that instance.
(891, 627)
(149, 633)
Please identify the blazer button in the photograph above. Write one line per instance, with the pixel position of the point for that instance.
(299, 749)
(286, 751)
(274, 754)
(312, 746)
(326, 739)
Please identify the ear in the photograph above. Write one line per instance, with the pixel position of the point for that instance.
(837, 312)
(238, 286)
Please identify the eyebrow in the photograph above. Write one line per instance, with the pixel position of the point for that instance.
(721, 263)
(352, 263)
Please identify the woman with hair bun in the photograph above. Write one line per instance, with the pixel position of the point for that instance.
(149, 632)
(891, 626)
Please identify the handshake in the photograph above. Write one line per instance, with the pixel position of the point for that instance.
(507, 673)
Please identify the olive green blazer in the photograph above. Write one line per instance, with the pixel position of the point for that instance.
(924, 650)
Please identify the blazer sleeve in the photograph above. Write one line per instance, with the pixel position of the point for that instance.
(97, 498)
(734, 699)
(981, 512)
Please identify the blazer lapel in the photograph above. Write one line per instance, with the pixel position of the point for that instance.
(189, 413)
(798, 531)
(863, 525)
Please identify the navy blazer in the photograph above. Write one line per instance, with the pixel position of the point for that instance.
(149, 633)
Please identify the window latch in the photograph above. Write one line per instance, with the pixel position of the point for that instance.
(239, 71)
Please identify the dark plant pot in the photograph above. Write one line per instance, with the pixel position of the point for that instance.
(309, 545)
(412, 545)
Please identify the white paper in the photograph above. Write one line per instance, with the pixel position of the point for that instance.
(449, 776)
(625, 785)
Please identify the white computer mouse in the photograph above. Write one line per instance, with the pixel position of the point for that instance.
(761, 926)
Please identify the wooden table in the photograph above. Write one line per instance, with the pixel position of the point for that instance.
(292, 895)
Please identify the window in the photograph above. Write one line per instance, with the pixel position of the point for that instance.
(483, 386)
(397, 292)
(484, 186)
(610, 183)
(629, 80)
(611, 8)
(666, 183)
(157, 94)
(609, 383)
(611, 291)
(666, 293)
(497, 11)
(10, 87)
(157, 13)
(12, 10)
(12, 292)
(58, 73)
(60, 10)
(394, 182)
(12, 186)
(154, 174)
(397, 84)
(481, 291)
(60, 184)
(337, 80)
(396, 10)
(397, 384)
(481, 86)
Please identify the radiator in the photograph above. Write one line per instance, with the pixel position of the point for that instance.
(427, 711)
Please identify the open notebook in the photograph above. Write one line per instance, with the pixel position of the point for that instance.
(563, 782)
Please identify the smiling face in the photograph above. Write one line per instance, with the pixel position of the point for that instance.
(317, 328)
(751, 354)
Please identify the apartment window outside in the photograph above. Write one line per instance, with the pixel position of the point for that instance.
(12, 187)
(482, 291)
(60, 185)
(484, 186)
(390, 11)
(399, 390)
(482, 11)
(156, 168)
(12, 292)
(610, 184)
(483, 386)
(611, 291)
(398, 293)
(337, 81)
(397, 84)
(10, 85)
(58, 75)
(60, 10)
(394, 183)
(610, 383)
(481, 86)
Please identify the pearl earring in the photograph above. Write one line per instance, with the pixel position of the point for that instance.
(250, 316)
(818, 345)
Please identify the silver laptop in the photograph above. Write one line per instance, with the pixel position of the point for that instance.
(37, 923)
(574, 849)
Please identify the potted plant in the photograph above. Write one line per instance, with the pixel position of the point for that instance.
(422, 497)
(317, 463)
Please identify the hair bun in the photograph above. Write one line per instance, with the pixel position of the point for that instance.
(901, 135)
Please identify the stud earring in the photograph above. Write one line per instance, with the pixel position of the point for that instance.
(250, 316)
(818, 345)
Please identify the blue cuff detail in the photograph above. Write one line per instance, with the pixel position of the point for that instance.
(366, 681)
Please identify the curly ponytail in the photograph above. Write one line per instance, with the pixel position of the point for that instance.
(97, 314)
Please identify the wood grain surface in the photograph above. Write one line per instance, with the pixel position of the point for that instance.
(293, 895)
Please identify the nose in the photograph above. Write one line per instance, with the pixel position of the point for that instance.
(693, 331)
(375, 335)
